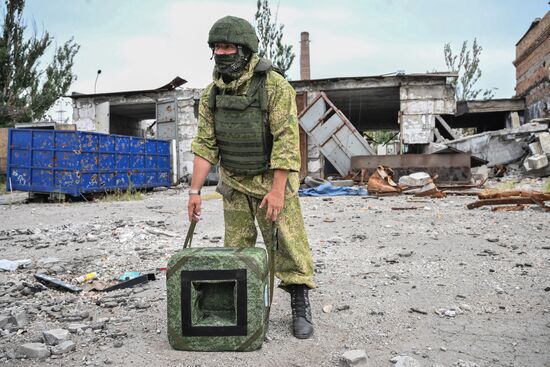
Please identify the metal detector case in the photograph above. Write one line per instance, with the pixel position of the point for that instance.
(218, 299)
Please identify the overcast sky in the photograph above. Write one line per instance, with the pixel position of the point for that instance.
(142, 44)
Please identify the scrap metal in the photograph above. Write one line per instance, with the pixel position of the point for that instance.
(449, 167)
(381, 182)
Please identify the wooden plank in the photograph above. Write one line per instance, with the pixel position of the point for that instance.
(301, 101)
(3, 150)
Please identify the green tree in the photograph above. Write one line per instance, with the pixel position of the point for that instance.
(270, 35)
(27, 90)
(466, 64)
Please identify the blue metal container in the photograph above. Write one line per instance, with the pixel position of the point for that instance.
(78, 162)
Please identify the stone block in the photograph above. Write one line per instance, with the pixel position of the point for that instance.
(32, 350)
(4, 320)
(19, 320)
(535, 148)
(357, 357)
(64, 347)
(537, 161)
(55, 336)
(544, 141)
(405, 361)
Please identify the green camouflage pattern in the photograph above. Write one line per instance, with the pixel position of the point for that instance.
(218, 296)
(283, 123)
(293, 260)
(241, 133)
(234, 30)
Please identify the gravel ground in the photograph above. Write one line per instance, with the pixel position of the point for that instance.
(441, 284)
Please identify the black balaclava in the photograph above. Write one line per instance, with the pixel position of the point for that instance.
(232, 66)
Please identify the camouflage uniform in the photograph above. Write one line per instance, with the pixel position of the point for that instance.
(243, 194)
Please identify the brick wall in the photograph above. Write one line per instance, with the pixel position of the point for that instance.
(533, 69)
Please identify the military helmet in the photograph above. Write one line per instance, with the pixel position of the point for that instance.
(233, 30)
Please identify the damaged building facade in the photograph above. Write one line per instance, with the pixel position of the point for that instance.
(168, 112)
(533, 68)
(337, 115)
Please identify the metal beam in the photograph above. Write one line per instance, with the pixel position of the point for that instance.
(449, 167)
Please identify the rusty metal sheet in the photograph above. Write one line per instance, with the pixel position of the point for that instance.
(448, 167)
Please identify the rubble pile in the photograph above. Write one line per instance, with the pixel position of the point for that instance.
(46, 313)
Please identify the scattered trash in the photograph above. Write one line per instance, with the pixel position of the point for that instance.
(381, 182)
(132, 282)
(503, 200)
(417, 310)
(328, 190)
(314, 182)
(129, 275)
(55, 283)
(8, 265)
(86, 278)
(430, 190)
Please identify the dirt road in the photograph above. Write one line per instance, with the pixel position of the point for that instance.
(442, 284)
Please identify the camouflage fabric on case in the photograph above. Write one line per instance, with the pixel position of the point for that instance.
(293, 261)
(218, 299)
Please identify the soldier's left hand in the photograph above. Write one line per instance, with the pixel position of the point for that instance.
(275, 201)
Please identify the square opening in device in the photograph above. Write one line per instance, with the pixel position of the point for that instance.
(214, 303)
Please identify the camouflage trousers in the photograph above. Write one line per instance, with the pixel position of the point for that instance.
(293, 260)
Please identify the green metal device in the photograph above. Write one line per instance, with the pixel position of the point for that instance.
(218, 298)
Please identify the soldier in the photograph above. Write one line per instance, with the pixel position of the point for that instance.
(248, 125)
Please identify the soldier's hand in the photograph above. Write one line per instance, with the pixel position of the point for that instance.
(194, 208)
(275, 201)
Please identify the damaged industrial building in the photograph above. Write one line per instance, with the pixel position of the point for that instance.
(337, 116)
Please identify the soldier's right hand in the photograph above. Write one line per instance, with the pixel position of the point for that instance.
(194, 208)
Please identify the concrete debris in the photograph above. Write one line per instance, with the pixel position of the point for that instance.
(544, 142)
(405, 361)
(4, 320)
(415, 179)
(314, 182)
(537, 161)
(449, 312)
(473, 268)
(32, 350)
(55, 336)
(75, 328)
(328, 308)
(355, 358)
(505, 146)
(8, 265)
(535, 148)
(19, 320)
(64, 347)
(461, 363)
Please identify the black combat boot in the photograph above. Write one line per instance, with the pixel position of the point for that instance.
(302, 327)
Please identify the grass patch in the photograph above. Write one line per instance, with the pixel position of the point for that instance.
(505, 186)
(546, 186)
(2, 184)
(131, 194)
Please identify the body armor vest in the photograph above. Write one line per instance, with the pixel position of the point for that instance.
(241, 125)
